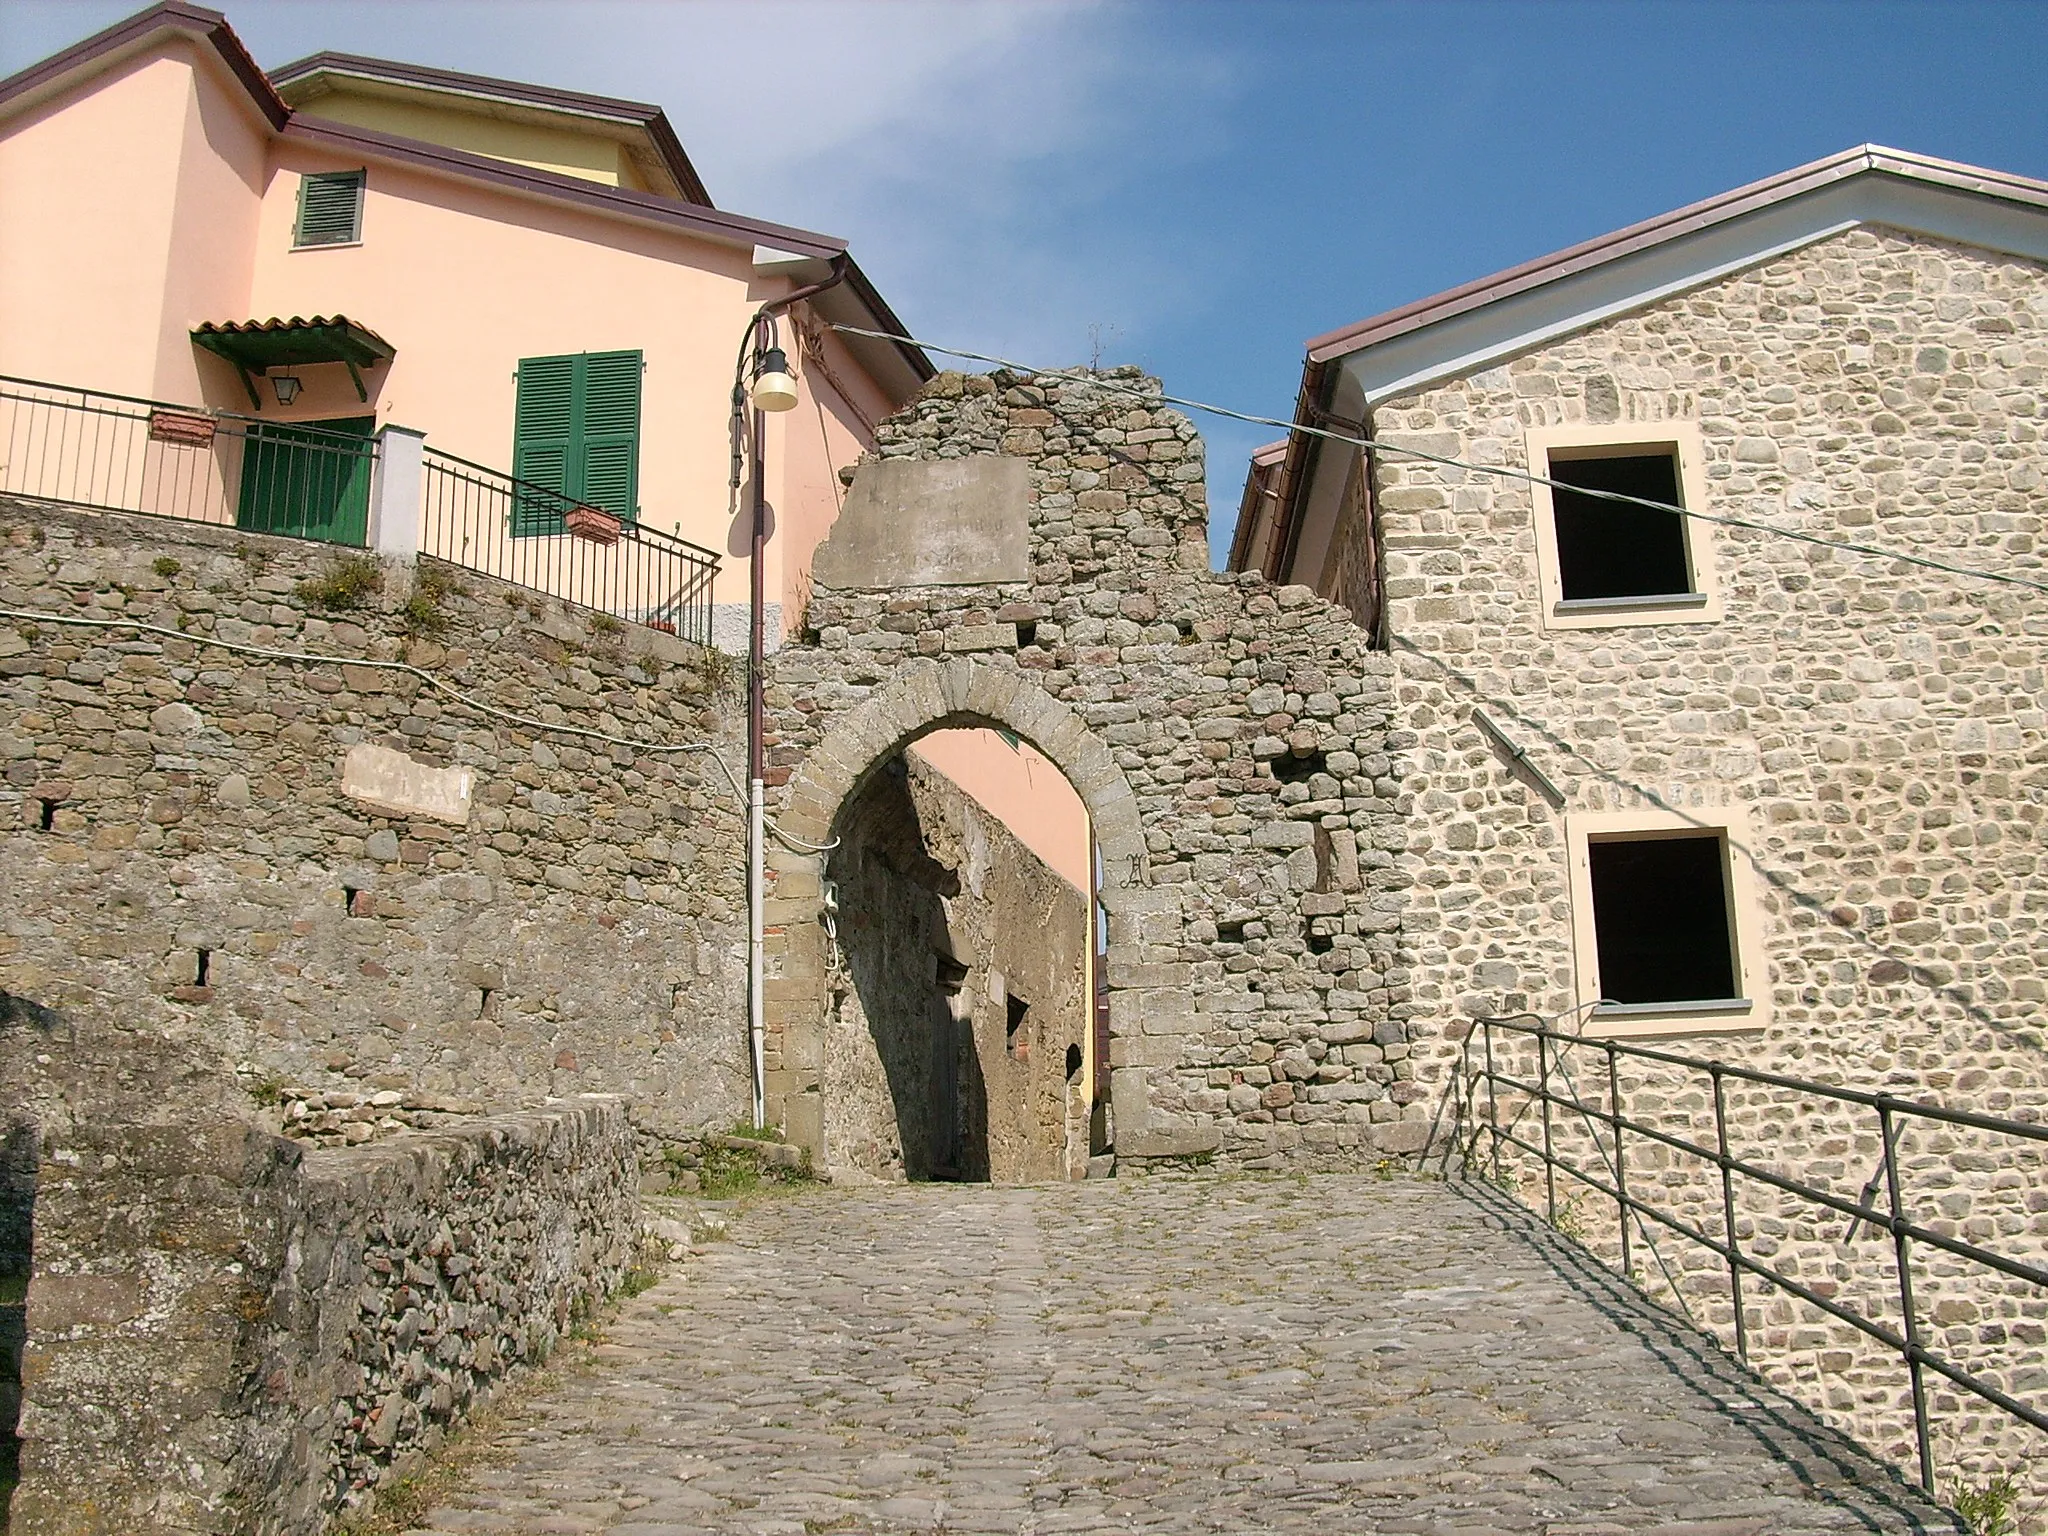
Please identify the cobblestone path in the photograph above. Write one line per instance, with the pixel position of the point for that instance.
(1163, 1355)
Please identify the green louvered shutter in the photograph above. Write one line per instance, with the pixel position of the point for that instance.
(576, 431)
(330, 208)
(611, 432)
(544, 441)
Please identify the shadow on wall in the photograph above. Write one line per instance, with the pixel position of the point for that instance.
(18, 1158)
(898, 1006)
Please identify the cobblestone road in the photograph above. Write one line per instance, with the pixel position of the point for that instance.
(1162, 1355)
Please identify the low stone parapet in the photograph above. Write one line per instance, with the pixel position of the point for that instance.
(228, 1332)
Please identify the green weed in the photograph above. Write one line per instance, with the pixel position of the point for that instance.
(350, 583)
(1987, 1508)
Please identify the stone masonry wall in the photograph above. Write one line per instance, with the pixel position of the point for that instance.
(165, 800)
(229, 1334)
(1880, 725)
(1256, 999)
(924, 872)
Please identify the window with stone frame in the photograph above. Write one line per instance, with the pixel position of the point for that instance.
(1605, 562)
(1665, 929)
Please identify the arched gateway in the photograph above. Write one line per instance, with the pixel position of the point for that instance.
(1032, 555)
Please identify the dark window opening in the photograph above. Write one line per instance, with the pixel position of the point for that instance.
(1015, 1009)
(486, 1008)
(1609, 549)
(1027, 634)
(950, 974)
(348, 899)
(1661, 919)
(48, 819)
(202, 968)
(1073, 1063)
(1320, 943)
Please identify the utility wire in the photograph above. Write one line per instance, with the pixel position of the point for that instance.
(316, 658)
(1505, 471)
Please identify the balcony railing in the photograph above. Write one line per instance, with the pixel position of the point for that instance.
(1922, 1290)
(121, 453)
(488, 522)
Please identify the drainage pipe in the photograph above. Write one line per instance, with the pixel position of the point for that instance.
(757, 1027)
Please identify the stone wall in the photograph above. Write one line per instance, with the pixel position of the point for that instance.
(1232, 743)
(946, 923)
(1879, 727)
(229, 1334)
(171, 805)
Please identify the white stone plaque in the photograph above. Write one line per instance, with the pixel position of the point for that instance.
(391, 781)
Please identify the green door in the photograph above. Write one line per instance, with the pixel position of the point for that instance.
(309, 480)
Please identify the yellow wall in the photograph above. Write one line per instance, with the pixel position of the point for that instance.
(593, 157)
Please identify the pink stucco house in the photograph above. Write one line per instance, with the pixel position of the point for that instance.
(534, 279)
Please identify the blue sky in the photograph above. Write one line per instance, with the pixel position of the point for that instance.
(1200, 187)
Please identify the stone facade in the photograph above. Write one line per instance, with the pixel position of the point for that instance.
(1232, 744)
(171, 805)
(230, 1335)
(959, 1016)
(1872, 731)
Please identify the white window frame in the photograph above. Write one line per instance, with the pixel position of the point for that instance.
(1682, 438)
(1752, 1006)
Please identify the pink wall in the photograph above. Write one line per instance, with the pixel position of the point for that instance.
(1022, 788)
(88, 184)
(221, 173)
(807, 448)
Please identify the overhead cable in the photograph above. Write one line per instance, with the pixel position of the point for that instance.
(1505, 471)
(439, 685)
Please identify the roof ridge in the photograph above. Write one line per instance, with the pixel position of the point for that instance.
(1862, 159)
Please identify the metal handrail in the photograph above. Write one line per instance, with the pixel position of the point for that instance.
(72, 446)
(631, 572)
(1551, 1050)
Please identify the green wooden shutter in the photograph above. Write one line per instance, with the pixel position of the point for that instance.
(330, 208)
(544, 442)
(576, 432)
(611, 432)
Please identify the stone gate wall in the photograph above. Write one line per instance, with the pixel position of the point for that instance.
(1232, 741)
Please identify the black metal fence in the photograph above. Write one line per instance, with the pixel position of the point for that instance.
(121, 453)
(1758, 1174)
(490, 523)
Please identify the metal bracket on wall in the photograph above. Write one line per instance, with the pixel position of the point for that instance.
(1486, 723)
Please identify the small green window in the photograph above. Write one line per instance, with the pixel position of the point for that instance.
(576, 432)
(330, 208)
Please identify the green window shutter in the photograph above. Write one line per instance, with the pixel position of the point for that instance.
(544, 442)
(611, 432)
(330, 208)
(576, 432)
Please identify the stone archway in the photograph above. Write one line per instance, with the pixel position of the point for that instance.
(923, 697)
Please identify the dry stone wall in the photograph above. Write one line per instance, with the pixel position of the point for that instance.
(230, 1334)
(1878, 726)
(182, 862)
(1233, 743)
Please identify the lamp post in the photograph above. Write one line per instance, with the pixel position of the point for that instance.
(772, 390)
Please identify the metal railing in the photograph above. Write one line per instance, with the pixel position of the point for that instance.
(490, 523)
(122, 453)
(1744, 1207)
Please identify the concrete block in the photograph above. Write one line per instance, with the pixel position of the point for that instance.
(919, 523)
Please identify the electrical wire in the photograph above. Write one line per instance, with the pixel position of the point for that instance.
(1505, 471)
(448, 690)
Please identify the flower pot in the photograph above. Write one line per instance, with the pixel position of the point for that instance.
(589, 523)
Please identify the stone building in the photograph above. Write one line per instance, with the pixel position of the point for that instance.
(1726, 781)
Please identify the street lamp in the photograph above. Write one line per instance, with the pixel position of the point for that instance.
(287, 387)
(774, 389)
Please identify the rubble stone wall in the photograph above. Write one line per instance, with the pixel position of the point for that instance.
(1233, 745)
(231, 1334)
(1879, 726)
(925, 1076)
(170, 805)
